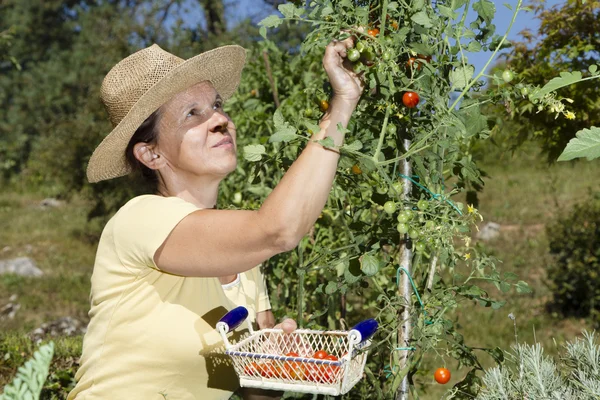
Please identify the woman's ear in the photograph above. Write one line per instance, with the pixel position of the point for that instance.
(147, 155)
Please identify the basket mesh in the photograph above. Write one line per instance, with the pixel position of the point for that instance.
(262, 356)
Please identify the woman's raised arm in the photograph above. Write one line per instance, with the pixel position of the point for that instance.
(224, 242)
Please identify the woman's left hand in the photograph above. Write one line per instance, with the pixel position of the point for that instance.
(265, 319)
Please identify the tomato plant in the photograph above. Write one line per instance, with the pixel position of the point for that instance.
(397, 159)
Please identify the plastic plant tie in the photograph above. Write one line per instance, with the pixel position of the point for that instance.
(427, 322)
(433, 195)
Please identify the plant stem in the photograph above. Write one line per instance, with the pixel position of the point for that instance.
(382, 135)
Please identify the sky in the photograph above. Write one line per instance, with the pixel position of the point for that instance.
(256, 10)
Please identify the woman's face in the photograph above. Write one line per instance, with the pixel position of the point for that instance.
(195, 136)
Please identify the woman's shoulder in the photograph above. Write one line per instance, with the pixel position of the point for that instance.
(152, 202)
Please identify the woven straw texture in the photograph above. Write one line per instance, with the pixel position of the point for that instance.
(141, 83)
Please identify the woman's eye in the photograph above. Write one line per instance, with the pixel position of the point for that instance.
(218, 105)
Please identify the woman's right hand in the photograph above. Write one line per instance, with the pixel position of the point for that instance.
(346, 84)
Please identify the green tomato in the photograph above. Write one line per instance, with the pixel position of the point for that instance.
(368, 55)
(353, 55)
(524, 91)
(414, 234)
(308, 112)
(429, 225)
(404, 217)
(391, 129)
(419, 247)
(402, 228)
(389, 207)
(398, 187)
(237, 198)
(381, 189)
(422, 205)
(387, 55)
(508, 75)
(360, 46)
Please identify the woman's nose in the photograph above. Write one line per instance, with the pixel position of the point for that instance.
(219, 121)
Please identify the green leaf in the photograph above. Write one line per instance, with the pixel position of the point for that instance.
(504, 287)
(263, 32)
(254, 152)
(278, 120)
(474, 47)
(498, 304)
(461, 76)
(393, 5)
(447, 12)
(485, 9)
(369, 264)
(523, 287)
(422, 19)
(565, 79)
(326, 11)
(585, 144)
(285, 134)
(331, 287)
(272, 21)
(354, 146)
(289, 10)
(593, 68)
(327, 142)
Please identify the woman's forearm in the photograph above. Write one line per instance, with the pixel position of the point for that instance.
(298, 199)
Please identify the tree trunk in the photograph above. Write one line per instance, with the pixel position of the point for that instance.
(214, 11)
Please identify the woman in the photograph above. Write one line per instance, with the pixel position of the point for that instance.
(169, 265)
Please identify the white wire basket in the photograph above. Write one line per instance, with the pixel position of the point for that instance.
(272, 359)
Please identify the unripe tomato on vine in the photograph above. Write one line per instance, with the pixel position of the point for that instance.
(410, 99)
(508, 75)
(353, 55)
(442, 375)
(323, 105)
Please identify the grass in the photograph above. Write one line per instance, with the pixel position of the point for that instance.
(521, 193)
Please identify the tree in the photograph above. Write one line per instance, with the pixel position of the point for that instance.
(568, 40)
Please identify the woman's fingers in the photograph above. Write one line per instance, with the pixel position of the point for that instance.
(288, 325)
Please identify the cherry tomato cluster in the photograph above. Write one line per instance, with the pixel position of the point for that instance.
(412, 222)
(296, 370)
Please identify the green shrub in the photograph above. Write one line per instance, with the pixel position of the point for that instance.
(574, 277)
(30, 378)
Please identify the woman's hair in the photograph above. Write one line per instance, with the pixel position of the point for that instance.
(146, 133)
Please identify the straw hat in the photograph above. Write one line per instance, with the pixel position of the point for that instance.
(141, 83)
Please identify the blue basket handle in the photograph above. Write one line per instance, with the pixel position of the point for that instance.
(234, 318)
(364, 330)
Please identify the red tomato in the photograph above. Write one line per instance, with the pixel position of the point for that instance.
(253, 369)
(413, 63)
(321, 354)
(323, 373)
(410, 99)
(270, 370)
(373, 32)
(442, 375)
(294, 369)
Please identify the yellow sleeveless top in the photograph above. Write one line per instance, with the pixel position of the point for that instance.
(152, 334)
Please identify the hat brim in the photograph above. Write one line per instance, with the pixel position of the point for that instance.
(221, 66)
